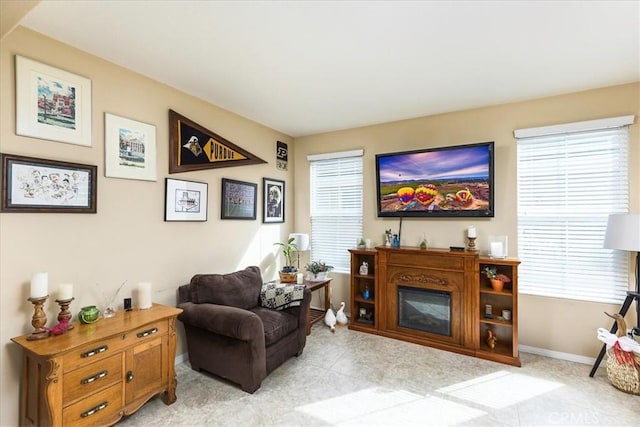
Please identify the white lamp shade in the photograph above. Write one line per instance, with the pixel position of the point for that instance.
(623, 232)
(301, 240)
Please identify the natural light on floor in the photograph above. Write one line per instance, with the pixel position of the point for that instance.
(383, 406)
(500, 389)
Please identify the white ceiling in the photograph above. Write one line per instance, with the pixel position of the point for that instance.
(306, 67)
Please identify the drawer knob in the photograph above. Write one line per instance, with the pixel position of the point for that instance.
(129, 376)
(147, 333)
(95, 351)
(93, 378)
(95, 409)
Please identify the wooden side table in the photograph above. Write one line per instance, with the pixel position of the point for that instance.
(314, 315)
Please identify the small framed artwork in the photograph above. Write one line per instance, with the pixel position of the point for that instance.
(185, 200)
(52, 104)
(273, 197)
(130, 148)
(39, 185)
(239, 199)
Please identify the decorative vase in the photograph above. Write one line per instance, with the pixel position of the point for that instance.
(497, 285)
(89, 314)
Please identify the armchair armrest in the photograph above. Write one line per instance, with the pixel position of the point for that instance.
(223, 320)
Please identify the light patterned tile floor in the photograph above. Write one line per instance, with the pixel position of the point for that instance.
(351, 378)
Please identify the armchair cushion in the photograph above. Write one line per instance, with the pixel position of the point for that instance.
(277, 324)
(239, 289)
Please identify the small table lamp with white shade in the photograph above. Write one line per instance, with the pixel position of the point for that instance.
(301, 241)
(623, 233)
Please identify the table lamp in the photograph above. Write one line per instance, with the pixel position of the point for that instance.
(623, 233)
(301, 241)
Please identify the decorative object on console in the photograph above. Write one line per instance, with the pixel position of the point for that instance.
(497, 279)
(185, 200)
(89, 314)
(318, 270)
(52, 103)
(364, 268)
(273, 200)
(239, 199)
(491, 339)
(288, 272)
(388, 238)
(144, 295)
(130, 148)
(39, 294)
(64, 301)
(471, 237)
(361, 243)
(498, 247)
(39, 185)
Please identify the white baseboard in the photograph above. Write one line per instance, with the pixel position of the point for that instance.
(557, 354)
(181, 358)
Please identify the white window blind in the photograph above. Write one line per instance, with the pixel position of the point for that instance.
(568, 184)
(336, 207)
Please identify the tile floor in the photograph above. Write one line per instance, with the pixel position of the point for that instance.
(352, 378)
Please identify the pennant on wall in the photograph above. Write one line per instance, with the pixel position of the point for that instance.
(192, 147)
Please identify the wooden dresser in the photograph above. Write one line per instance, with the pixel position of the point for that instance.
(95, 374)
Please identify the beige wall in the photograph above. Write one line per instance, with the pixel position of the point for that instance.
(127, 239)
(555, 324)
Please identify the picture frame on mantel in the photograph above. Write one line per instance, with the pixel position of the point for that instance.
(130, 148)
(51, 103)
(239, 199)
(185, 200)
(30, 184)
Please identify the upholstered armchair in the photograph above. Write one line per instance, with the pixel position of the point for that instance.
(231, 334)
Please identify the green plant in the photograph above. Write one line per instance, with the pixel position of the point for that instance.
(492, 273)
(288, 248)
(316, 267)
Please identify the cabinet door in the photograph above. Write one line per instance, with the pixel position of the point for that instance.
(146, 371)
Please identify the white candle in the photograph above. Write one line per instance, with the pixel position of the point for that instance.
(144, 295)
(496, 249)
(471, 232)
(299, 278)
(367, 243)
(39, 285)
(65, 291)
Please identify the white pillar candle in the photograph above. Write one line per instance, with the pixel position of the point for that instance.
(65, 291)
(300, 278)
(367, 243)
(39, 285)
(144, 295)
(471, 232)
(496, 249)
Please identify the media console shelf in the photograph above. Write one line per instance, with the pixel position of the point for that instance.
(437, 298)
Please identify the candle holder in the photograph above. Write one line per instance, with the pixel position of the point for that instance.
(64, 311)
(39, 319)
(471, 246)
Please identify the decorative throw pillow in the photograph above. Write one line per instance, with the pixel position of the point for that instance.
(279, 296)
(240, 289)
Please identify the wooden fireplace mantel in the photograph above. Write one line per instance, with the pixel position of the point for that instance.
(456, 273)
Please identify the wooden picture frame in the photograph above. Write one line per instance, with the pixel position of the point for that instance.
(30, 184)
(52, 104)
(239, 199)
(130, 148)
(272, 200)
(185, 200)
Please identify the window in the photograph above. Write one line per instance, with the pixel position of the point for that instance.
(336, 206)
(570, 178)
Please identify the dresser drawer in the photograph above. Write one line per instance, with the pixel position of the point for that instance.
(148, 331)
(97, 409)
(94, 351)
(88, 379)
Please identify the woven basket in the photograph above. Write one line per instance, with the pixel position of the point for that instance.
(623, 370)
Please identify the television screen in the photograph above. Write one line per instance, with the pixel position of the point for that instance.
(452, 181)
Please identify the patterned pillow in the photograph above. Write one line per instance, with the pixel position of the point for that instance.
(279, 296)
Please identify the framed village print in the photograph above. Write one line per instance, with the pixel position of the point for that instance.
(273, 200)
(52, 104)
(185, 200)
(239, 199)
(38, 185)
(130, 148)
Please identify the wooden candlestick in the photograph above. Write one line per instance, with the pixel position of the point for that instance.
(39, 319)
(471, 247)
(64, 311)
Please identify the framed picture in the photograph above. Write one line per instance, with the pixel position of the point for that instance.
(39, 185)
(185, 200)
(52, 103)
(130, 148)
(273, 200)
(239, 199)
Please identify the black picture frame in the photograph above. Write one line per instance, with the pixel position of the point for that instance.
(31, 184)
(239, 199)
(273, 207)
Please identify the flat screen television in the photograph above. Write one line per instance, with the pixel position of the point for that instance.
(454, 181)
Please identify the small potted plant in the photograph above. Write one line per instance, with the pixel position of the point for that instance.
(288, 272)
(318, 270)
(497, 279)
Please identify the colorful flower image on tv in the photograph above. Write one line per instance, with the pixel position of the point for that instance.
(452, 179)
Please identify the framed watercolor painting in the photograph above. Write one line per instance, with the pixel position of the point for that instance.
(52, 104)
(130, 148)
(273, 200)
(185, 200)
(38, 185)
(239, 199)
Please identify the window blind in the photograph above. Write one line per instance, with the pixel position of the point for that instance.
(336, 207)
(568, 184)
